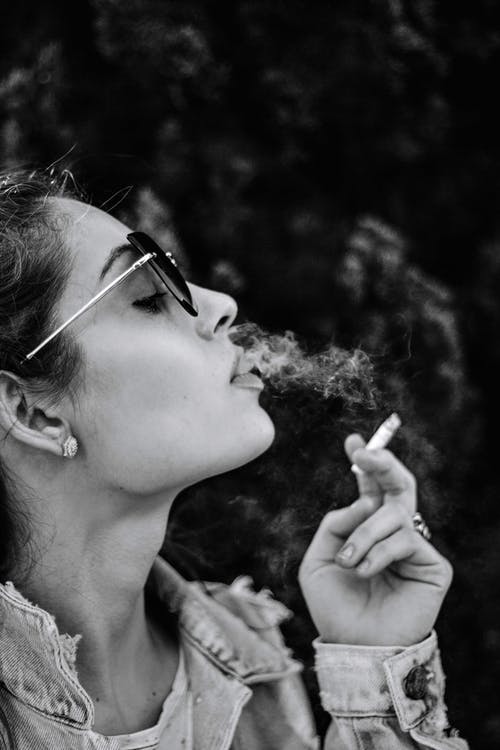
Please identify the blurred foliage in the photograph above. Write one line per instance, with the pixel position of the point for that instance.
(334, 166)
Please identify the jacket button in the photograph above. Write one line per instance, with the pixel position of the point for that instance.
(416, 681)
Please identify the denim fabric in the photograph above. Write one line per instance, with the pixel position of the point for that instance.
(246, 687)
(363, 687)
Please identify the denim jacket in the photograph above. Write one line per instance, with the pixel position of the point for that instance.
(246, 686)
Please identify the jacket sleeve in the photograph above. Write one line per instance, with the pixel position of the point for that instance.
(379, 698)
(384, 698)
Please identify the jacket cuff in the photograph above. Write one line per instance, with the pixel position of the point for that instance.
(359, 681)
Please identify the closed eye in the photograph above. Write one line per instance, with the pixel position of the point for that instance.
(152, 304)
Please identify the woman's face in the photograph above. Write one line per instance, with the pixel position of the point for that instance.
(157, 411)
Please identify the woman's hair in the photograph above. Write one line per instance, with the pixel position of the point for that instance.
(34, 270)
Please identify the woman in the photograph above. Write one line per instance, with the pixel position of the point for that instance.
(119, 387)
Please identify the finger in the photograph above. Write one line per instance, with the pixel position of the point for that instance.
(367, 485)
(335, 527)
(352, 443)
(399, 546)
(382, 524)
(393, 478)
(416, 558)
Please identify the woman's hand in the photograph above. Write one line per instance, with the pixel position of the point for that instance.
(368, 577)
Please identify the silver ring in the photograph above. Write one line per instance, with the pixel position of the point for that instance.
(420, 526)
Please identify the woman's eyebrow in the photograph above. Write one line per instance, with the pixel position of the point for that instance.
(116, 253)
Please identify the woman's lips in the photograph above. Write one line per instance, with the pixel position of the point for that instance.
(248, 380)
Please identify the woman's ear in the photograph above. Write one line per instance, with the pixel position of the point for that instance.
(28, 419)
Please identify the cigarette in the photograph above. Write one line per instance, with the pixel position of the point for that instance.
(381, 437)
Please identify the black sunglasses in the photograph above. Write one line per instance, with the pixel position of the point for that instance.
(165, 267)
(161, 262)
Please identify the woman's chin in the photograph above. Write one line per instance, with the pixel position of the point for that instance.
(266, 439)
(252, 445)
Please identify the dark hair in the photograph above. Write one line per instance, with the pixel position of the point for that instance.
(35, 268)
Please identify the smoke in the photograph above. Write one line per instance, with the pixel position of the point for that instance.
(332, 373)
(261, 517)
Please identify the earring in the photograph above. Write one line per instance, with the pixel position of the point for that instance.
(70, 447)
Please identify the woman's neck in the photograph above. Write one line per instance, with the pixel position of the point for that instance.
(95, 557)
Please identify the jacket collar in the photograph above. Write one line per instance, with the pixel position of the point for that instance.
(224, 637)
(37, 663)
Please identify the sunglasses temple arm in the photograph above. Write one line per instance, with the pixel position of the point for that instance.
(138, 264)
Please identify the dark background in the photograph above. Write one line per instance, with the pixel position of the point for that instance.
(335, 166)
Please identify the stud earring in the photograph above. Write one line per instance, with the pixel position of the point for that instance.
(70, 447)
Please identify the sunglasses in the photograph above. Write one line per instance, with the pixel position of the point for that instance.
(162, 263)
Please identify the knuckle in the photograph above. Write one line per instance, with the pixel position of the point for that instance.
(329, 518)
(409, 537)
(400, 513)
(367, 504)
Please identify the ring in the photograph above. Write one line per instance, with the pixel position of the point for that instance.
(420, 526)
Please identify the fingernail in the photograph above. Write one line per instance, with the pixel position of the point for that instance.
(363, 567)
(346, 552)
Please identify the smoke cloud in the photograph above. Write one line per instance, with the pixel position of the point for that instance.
(330, 374)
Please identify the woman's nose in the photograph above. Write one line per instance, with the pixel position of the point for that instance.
(217, 312)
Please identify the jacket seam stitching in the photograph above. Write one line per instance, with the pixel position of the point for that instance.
(295, 667)
(221, 665)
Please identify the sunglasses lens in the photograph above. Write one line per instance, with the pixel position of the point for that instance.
(165, 267)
